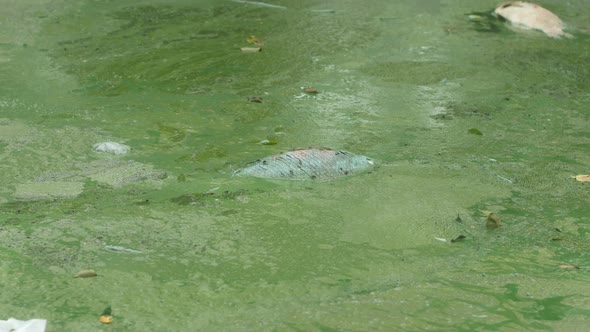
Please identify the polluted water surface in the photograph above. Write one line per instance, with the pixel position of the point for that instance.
(122, 124)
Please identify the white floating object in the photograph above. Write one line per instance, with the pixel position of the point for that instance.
(111, 147)
(529, 15)
(15, 325)
(122, 249)
(260, 4)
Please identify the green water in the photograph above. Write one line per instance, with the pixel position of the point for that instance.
(403, 82)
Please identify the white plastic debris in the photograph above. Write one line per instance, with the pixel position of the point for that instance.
(122, 249)
(15, 325)
(529, 15)
(111, 147)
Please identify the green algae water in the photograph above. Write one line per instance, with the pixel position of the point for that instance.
(461, 121)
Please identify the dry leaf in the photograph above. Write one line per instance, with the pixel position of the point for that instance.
(582, 178)
(569, 267)
(86, 274)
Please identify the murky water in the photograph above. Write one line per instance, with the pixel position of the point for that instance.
(461, 120)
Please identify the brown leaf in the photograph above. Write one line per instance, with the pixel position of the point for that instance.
(582, 178)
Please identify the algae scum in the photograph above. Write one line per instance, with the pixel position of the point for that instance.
(462, 121)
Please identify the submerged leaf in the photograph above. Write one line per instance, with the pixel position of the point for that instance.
(86, 274)
(107, 311)
(475, 131)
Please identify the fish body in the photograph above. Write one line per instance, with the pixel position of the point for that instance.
(529, 15)
(308, 163)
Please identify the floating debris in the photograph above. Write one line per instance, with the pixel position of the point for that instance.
(250, 49)
(260, 4)
(86, 274)
(475, 131)
(310, 90)
(569, 267)
(255, 99)
(308, 163)
(267, 142)
(122, 249)
(111, 147)
(582, 178)
(493, 221)
(529, 15)
(106, 317)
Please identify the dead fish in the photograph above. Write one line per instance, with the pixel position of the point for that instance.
(308, 163)
(529, 15)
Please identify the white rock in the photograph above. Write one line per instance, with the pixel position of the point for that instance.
(529, 15)
(111, 147)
